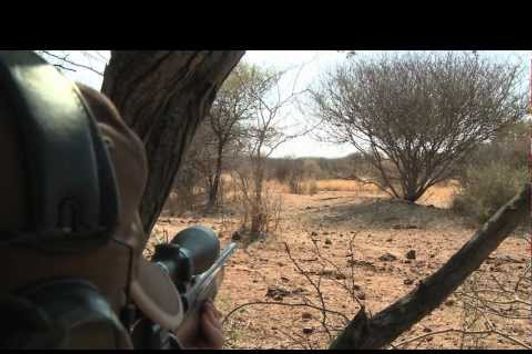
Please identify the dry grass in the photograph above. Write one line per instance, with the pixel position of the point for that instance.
(343, 185)
(440, 195)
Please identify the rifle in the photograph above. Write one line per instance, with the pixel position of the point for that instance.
(195, 264)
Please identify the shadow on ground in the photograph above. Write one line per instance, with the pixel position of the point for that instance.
(384, 213)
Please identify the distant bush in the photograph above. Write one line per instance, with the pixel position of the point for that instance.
(493, 173)
(485, 189)
(311, 187)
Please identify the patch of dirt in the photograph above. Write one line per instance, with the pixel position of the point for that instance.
(427, 236)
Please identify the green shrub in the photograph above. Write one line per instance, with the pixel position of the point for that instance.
(486, 188)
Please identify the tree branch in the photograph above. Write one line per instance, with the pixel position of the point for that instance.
(384, 327)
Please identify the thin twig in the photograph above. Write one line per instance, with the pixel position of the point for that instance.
(283, 304)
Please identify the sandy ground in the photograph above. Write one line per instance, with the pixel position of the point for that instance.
(351, 230)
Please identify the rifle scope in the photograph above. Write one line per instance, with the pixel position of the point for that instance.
(191, 252)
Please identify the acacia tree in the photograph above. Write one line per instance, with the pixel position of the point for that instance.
(232, 105)
(262, 133)
(415, 116)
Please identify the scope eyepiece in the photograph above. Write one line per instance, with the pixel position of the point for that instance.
(191, 252)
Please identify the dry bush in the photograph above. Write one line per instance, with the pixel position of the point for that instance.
(419, 113)
(295, 184)
(268, 212)
(345, 185)
(311, 187)
(187, 194)
(494, 172)
(276, 186)
(485, 189)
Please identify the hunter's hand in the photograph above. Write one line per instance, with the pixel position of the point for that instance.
(210, 335)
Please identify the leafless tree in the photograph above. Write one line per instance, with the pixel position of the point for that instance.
(233, 104)
(415, 116)
(262, 132)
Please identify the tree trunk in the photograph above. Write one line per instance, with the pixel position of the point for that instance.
(257, 215)
(213, 191)
(163, 96)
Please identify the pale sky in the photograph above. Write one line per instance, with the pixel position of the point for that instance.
(305, 69)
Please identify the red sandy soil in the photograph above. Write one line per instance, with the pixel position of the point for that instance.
(263, 271)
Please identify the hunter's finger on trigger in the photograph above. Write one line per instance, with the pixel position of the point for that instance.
(214, 335)
(213, 318)
(217, 313)
(210, 306)
(211, 323)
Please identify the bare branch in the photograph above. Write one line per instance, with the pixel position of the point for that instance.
(70, 62)
(384, 327)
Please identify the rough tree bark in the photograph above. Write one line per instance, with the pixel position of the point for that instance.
(378, 331)
(163, 96)
(214, 188)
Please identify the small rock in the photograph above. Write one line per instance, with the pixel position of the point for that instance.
(432, 255)
(411, 254)
(427, 330)
(274, 328)
(327, 272)
(277, 293)
(408, 281)
(308, 207)
(306, 316)
(308, 330)
(236, 236)
(389, 239)
(388, 257)
(339, 276)
(361, 295)
(285, 279)
(449, 302)
(407, 261)
(313, 233)
(328, 241)
(325, 233)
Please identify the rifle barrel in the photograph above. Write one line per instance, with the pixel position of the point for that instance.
(203, 280)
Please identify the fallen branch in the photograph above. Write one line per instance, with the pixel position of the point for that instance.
(378, 331)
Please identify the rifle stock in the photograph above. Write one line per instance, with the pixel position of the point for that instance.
(191, 322)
